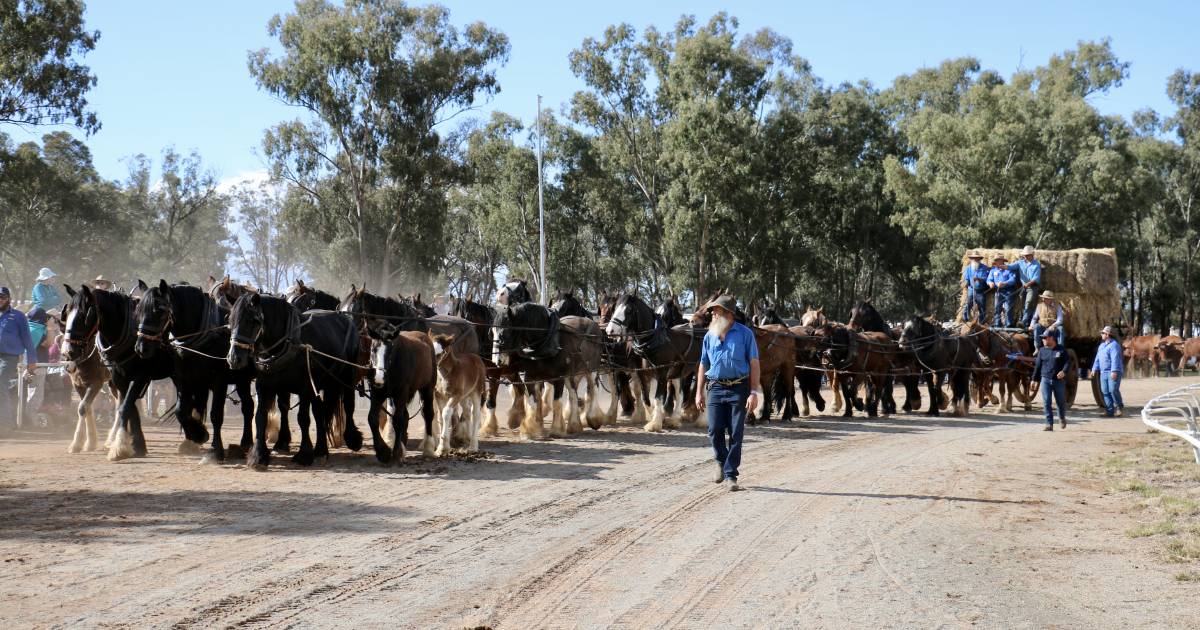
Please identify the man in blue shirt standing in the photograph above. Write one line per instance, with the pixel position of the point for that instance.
(15, 340)
(1029, 272)
(1111, 365)
(974, 280)
(729, 373)
(1004, 282)
(1050, 373)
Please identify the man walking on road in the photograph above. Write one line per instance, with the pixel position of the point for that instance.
(1110, 364)
(15, 340)
(1050, 370)
(729, 373)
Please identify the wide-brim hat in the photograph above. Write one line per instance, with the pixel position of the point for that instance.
(101, 278)
(1107, 330)
(999, 257)
(974, 255)
(724, 301)
(1047, 295)
(45, 273)
(1027, 251)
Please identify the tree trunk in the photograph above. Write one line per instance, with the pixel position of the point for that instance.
(701, 281)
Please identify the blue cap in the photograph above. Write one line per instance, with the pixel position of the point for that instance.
(1050, 334)
(4, 292)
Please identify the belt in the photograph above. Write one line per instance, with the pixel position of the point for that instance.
(727, 382)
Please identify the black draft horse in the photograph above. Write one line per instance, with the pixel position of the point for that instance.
(311, 356)
(528, 348)
(672, 352)
(482, 317)
(942, 355)
(566, 304)
(109, 317)
(185, 323)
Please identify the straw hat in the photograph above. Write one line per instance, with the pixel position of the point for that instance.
(975, 256)
(999, 257)
(1047, 295)
(1027, 251)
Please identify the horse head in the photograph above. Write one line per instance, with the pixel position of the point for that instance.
(514, 292)
(81, 319)
(246, 327)
(814, 317)
(630, 315)
(153, 316)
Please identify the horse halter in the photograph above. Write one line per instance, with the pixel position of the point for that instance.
(156, 335)
(84, 339)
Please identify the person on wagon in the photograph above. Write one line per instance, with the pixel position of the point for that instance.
(44, 294)
(1003, 281)
(1029, 273)
(974, 280)
(728, 373)
(1049, 317)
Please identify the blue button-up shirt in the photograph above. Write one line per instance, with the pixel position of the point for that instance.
(975, 276)
(729, 358)
(1028, 271)
(1109, 357)
(1004, 279)
(45, 296)
(14, 335)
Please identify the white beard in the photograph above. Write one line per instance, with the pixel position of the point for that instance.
(720, 325)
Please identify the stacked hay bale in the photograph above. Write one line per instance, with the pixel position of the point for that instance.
(1083, 280)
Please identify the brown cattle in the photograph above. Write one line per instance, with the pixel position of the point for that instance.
(1139, 352)
(1167, 354)
(1190, 349)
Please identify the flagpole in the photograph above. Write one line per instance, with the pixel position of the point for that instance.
(541, 212)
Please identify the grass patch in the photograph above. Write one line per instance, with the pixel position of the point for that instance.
(1183, 549)
(1140, 487)
(1187, 576)
(1162, 528)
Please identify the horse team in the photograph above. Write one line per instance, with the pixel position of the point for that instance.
(325, 352)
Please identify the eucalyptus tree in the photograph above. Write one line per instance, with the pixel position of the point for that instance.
(42, 81)
(380, 81)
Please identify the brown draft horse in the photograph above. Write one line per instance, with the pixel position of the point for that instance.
(857, 356)
(776, 357)
(1014, 376)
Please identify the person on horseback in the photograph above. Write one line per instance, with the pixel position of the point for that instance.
(1004, 282)
(974, 280)
(729, 372)
(44, 294)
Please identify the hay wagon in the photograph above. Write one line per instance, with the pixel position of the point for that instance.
(1084, 281)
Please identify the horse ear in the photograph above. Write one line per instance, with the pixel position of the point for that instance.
(83, 288)
(821, 310)
(142, 285)
(70, 291)
(225, 282)
(163, 286)
(255, 299)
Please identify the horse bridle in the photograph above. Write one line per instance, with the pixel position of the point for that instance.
(156, 335)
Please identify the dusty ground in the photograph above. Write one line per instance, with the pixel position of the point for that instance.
(898, 522)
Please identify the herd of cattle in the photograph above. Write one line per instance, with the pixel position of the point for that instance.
(1148, 354)
(327, 352)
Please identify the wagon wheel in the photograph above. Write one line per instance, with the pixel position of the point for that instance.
(1096, 393)
(1072, 377)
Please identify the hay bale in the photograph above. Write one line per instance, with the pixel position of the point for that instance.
(1083, 280)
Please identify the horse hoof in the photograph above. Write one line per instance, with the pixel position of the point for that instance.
(236, 451)
(383, 454)
(304, 458)
(213, 456)
(354, 441)
(283, 448)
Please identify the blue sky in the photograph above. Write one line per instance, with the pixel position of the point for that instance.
(174, 73)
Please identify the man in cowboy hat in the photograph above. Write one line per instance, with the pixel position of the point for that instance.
(44, 294)
(102, 283)
(729, 373)
(1110, 363)
(1003, 281)
(974, 280)
(1029, 274)
(1049, 373)
(15, 340)
(1048, 318)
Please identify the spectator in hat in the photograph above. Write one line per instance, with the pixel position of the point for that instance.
(1049, 317)
(974, 280)
(44, 294)
(1110, 364)
(1049, 374)
(1003, 281)
(1029, 274)
(728, 378)
(102, 283)
(14, 341)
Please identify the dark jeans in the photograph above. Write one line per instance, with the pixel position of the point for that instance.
(1029, 297)
(727, 414)
(1038, 329)
(1111, 390)
(1003, 314)
(1058, 388)
(8, 385)
(977, 299)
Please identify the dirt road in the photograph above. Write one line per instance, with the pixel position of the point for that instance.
(899, 522)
